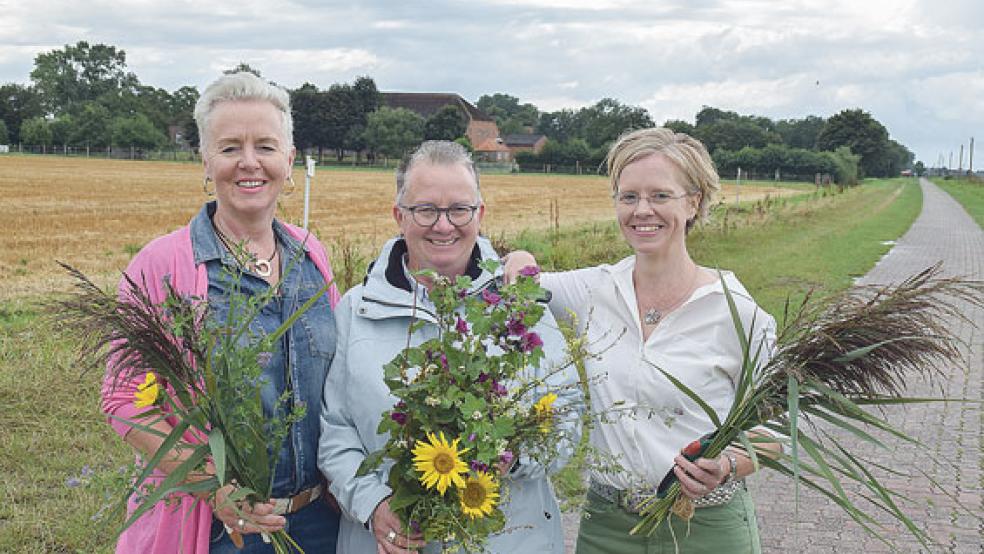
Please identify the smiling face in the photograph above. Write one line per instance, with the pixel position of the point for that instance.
(442, 247)
(654, 228)
(248, 157)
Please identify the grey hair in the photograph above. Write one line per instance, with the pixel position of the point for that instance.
(435, 152)
(242, 85)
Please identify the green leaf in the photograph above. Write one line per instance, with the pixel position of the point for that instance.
(370, 463)
(865, 350)
(792, 399)
(216, 443)
(692, 395)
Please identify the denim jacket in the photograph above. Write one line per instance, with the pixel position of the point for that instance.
(304, 354)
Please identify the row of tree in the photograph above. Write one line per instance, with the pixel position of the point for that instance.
(84, 95)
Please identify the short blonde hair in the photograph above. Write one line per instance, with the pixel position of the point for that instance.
(684, 151)
(242, 85)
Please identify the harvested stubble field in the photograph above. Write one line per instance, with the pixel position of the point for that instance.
(95, 214)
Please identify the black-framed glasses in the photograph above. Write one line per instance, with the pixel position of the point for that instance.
(426, 215)
(661, 197)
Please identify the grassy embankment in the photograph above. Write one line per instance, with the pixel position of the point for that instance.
(969, 193)
(49, 420)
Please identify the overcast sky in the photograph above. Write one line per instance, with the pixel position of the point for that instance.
(915, 65)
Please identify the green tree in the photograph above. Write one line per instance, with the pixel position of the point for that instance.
(860, 132)
(183, 103)
(801, 133)
(306, 105)
(710, 116)
(36, 132)
(603, 122)
(510, 116)
(62, 130)
(447, 123)
(734, 134)
(919, 168)
(71, 76)
(393, 132)
(18, 104)
(92, 125)
(4, 134)
(243, 67)
(678, 126)
(136, 131)
(558, 126)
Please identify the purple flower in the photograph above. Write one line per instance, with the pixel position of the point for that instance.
(515, 326)
(461, 326)
(478, 466)
(483, 377)
(471, 437)
(87, 471)
(530, 341)
(506, 457)
(498, 389)
(530, 271)
(491, 298)
(72, 482)
(444, 361)
(399, 417)
(401, 405)
(415, 525)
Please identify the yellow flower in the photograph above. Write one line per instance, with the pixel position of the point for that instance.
(147, 391)
(439, 463)
(544, 411)
(479, 495)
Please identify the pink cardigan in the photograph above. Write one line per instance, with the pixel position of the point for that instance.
(181, 526)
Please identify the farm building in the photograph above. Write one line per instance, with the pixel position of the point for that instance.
(481, 131)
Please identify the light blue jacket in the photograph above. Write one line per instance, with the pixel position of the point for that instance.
(372, 321)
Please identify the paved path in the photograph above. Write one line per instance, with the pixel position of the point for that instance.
(942, 232)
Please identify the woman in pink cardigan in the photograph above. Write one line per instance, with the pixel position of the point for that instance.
(245, 128)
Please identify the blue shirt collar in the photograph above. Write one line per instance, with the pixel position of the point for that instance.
(206, 246)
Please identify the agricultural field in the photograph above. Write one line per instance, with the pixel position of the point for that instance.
(96, 214)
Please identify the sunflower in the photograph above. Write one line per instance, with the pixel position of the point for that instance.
(544, 411)
(439, 462)
(146, 394)
(479, 495)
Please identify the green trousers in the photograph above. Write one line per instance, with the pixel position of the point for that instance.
(729, 528)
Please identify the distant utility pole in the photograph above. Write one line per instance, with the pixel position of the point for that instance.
(960, 167)
(971, 155)
(950, 165)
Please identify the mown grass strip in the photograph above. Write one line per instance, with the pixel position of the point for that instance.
(969, 193)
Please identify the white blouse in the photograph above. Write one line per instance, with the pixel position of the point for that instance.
(697, 343)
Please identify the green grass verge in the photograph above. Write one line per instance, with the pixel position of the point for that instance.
(969, 193)
(51, 430)
(50, 423)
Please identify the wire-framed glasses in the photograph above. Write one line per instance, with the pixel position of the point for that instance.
(661, 197)
(426, 215)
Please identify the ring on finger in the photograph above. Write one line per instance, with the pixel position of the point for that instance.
(241, 523)
(391, 536)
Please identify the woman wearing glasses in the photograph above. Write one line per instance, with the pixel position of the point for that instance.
(438, 209)
(659, 308)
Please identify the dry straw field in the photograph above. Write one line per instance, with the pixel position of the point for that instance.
(95, 214)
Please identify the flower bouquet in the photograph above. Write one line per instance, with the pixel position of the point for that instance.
(470, 401)
(201, 376)
(830, 361)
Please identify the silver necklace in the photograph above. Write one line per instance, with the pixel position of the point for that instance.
(652, 316)
(263, 268)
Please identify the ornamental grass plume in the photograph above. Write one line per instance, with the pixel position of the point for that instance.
(831, 359)
(200, 374)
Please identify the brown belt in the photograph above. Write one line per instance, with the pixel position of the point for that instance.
(282, 506)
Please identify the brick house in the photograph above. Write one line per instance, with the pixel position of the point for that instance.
(481, 129)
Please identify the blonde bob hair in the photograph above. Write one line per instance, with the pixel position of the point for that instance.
(685, 152)
(242, 85)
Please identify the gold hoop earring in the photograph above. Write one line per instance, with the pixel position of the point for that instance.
(205, 186)
(286, 191)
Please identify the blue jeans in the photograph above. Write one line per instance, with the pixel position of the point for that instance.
(314, 527)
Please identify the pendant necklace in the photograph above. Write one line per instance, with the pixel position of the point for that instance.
(652, 316)
(262, 267)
